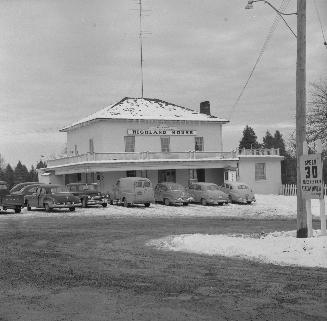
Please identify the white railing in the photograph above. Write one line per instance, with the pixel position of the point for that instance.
(291, 190)
(141, 156)
(263, 151)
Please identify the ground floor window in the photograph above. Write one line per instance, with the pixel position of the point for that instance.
(167, 175)
(201, 175)
(131, 174)
(260, 171)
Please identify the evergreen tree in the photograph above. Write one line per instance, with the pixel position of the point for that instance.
(279, 143)
(9, 176)
(249, 139)
(20, 173)
(32, 175)
(268, 141)
(41, 164)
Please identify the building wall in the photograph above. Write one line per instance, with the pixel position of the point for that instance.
(271, 184)
(108, 136)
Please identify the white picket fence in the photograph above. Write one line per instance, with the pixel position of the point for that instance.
(290, 190)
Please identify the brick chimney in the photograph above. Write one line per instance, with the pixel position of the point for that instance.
(205, 107)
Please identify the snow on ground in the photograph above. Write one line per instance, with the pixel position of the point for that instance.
(282, 248)
(266, 207)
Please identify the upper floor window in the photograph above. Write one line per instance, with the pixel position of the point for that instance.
(129, 144)
(199, 144)
(165, 144)
(260, 171)
(91, 146)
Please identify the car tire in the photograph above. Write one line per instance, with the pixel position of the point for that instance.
(104, 204)
(166, 202)
(47, 207)
(72, 209)
(146, 204)
(18, 209)
(203, 201)
(84, 202)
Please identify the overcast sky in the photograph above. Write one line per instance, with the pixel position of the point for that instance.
(63, 60)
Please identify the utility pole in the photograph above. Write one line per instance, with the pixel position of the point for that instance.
(302, 229)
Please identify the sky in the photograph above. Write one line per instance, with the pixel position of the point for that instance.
(63, 60)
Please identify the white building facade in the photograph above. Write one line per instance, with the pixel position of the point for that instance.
(148, 138)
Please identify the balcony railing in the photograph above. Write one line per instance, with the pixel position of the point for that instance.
(141, 156)
(258, 152)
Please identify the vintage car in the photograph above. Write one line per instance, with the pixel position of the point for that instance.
(88, 193)
(172, 193)
(207, 194)
(9, 201)
(238, 192)
(52, 196)
(132, 190)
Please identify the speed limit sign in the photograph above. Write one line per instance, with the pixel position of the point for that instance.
(311, 176)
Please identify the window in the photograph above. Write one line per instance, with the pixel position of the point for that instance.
(260, 171)
(79, 177)
(91, 146)
(167, 175)
(199, 144)
(129, 144)
(165, 142)
(131, 174)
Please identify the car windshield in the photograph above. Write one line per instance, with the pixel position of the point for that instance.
(3, 186)
(242, 187)
(59, 189)
(212, 187)
(176, 187)
(87, 187)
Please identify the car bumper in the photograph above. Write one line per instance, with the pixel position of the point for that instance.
(97, 202)
(67, 205)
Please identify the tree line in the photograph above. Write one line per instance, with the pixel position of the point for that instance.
(19, 173)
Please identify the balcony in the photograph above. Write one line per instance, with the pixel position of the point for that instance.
(139, 157)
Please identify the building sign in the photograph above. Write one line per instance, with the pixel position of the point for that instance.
(311, 176)
(162, 131)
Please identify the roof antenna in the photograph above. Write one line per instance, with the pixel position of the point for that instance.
(141, 46)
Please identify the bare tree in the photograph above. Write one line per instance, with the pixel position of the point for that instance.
(317, 115)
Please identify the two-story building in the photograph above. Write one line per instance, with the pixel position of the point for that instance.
(149, 138)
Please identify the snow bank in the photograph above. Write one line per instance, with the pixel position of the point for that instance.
(282, 248)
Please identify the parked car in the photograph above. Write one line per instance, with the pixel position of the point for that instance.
(88, 194)
(133, 190)
(52, 196)
(172, 193)
(238, 192)
(207, 194)
(8, 201)
(19, 186)
(26, 190)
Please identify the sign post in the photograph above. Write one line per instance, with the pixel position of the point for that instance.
(312, 185)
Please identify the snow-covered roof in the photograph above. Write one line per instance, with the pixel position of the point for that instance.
(146, 109)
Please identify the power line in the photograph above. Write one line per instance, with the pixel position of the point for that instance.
(322, 29)
(273, 27)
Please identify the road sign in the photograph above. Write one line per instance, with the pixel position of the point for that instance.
(311, 176)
